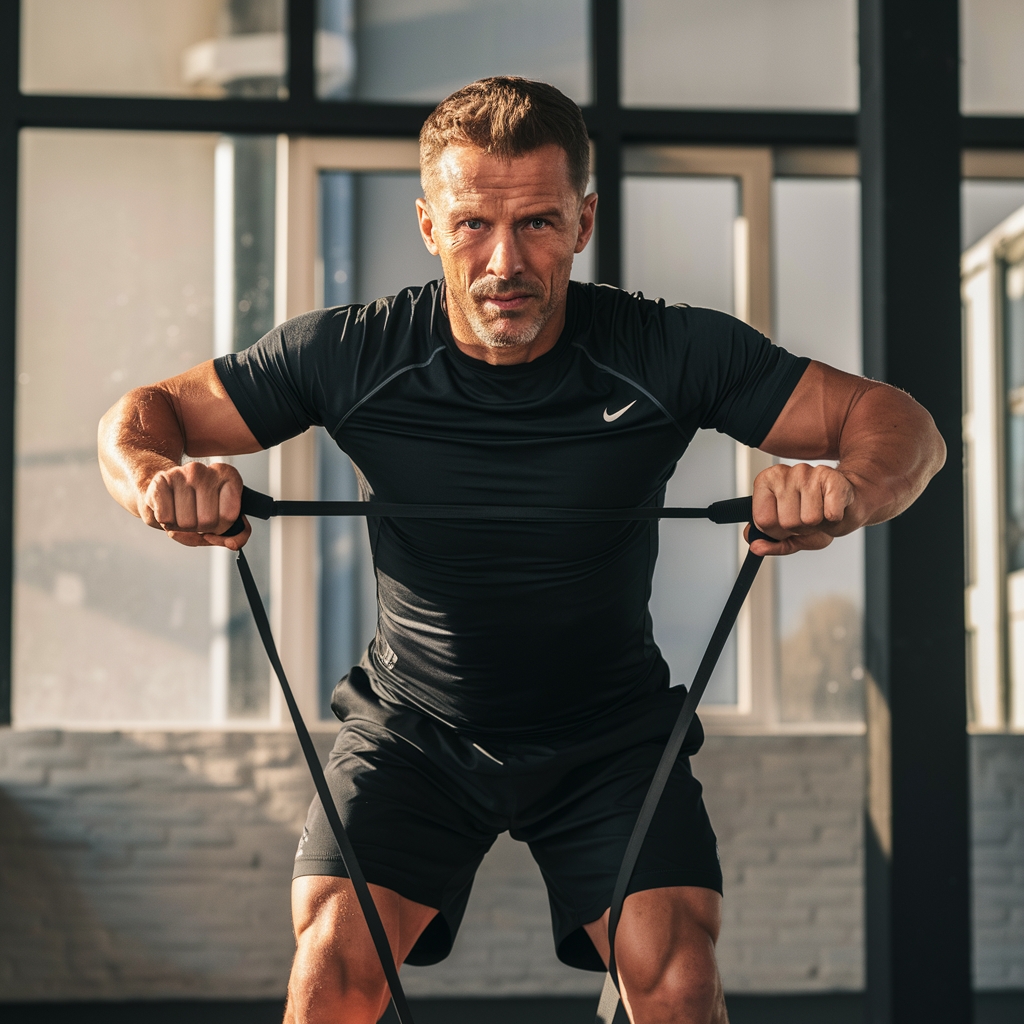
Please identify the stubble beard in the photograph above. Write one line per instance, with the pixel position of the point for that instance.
(493, 331)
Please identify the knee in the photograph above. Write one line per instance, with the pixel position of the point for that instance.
(326, 985)
(683, 988)
(678, 997)
(332, 979)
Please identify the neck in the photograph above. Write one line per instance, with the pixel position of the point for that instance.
(472, 346)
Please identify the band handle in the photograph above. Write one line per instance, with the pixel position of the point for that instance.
(255, 504)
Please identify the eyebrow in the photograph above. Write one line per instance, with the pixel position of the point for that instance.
(553, 212)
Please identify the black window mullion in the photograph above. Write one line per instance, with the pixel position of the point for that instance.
(301, 69)
(232, 116)
(605, 126)
(9, 74)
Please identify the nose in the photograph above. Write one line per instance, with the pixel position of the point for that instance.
(506, 261)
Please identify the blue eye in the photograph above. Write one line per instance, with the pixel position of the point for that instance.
(538, 222)
(473, 225)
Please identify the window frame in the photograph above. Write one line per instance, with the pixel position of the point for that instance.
(995, 696)
(612, 127)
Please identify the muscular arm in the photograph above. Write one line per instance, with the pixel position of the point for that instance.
(141, 443)
(888, 449)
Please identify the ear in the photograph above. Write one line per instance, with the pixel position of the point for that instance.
(586, 224)
(427, 227)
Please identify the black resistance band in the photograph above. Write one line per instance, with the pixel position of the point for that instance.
(732, 510)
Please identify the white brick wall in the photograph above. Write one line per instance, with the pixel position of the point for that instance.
(150, 864)
(997, 770)
(788, 813)
(157, 864)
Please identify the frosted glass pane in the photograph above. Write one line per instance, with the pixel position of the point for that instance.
(816, 242)
(679, 239)
(992, 55)
(679, 246)
(390, 253)
(820, 593)
(209, 48)
(115, 290)
(425, 49)
(760, 54)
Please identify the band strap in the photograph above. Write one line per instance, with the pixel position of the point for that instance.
(262, 506)
(731, 510)
(716, 645)
(355, 871)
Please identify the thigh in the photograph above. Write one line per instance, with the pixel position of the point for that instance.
(327, 914)
(580, 841)
(658, 923)
(412, 827)
(665, 954)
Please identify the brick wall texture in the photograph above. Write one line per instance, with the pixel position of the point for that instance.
(997, 776)
(156, 865)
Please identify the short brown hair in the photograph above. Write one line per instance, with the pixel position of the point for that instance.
(508, 117)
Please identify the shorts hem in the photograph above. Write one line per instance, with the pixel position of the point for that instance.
(378, 876)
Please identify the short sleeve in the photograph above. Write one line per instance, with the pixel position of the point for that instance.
(736, 378)
(275, 384)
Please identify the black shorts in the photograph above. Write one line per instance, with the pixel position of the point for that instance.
(423, 803)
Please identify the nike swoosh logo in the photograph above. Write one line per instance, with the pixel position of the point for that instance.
(613, 416)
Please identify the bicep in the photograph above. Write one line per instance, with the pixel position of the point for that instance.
(209, 421)
(811, 423)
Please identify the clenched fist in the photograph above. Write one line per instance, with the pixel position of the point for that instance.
(804, 507)
(195, 503)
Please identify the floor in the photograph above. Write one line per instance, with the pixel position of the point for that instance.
(833, 1008)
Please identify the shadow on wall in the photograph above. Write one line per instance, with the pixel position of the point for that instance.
(148, 865)
(41, 908)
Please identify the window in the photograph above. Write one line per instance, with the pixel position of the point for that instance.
(205, 48)
(141, 255)
(697, 229)
(820, 595)
(391, 49)
(992, 53)
(993, 297)
(751, 54)
(260, 228)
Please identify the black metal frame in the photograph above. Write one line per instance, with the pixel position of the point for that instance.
(890, 31)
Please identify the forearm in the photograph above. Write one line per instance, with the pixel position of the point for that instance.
(138, 437)
(886, 445)
(889, 448)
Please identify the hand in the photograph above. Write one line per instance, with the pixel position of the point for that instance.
(802, 506)
(194, 503)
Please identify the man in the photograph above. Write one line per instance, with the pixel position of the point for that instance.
(514, 683)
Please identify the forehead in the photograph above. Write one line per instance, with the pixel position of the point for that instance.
(466, 174)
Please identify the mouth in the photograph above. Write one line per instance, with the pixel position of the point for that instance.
(508, 303)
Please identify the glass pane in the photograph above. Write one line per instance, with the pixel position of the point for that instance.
(820, 593)
(112, 620)
(140, 255)
(986, 204)
(760, 54)
(1013, 315)
(992, 54)
(679, 246)
(398, 44)
(211, 48)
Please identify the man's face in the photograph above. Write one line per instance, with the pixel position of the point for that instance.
(506, 232)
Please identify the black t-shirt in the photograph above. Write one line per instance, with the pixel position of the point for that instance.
(518, 629)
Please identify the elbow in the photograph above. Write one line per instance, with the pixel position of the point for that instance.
(935, 447)
(940, 450)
